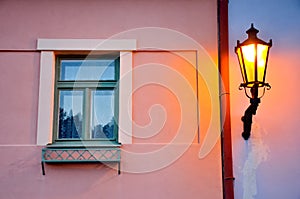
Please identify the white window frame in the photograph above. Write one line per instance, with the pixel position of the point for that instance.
(48, 49)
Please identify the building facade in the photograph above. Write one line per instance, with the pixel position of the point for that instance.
(117, 99)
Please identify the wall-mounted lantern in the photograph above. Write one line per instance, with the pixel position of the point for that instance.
(253, 56)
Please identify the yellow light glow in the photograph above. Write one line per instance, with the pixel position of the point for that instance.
(241, 64)
(249, 60)
(262, 51)
(249, 53)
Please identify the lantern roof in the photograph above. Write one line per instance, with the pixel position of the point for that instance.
(252, 38)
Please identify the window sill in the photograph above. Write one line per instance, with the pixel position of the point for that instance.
(78, 152)
(83, 144)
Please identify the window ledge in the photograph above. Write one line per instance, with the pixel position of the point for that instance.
(83, 144)
(58, 153)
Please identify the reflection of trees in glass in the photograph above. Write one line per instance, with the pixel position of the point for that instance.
(69, 126)
(106, 131)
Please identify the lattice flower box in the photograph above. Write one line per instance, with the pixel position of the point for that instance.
(81, 155)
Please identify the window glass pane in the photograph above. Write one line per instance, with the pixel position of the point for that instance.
(87, 69)
(102, 115)
(70, 114)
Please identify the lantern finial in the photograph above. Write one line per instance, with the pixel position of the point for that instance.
(252, 32)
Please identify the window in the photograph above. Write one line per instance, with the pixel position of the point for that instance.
(86, 98)
(47, 108)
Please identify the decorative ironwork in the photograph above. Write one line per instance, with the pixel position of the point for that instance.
(81, 155)
(253, 56)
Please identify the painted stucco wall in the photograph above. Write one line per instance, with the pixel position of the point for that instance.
(267, 166)
(187, 176)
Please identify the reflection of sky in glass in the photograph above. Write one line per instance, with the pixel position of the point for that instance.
(87, 70)
(102, 107)
(98, 109)
(71, 100)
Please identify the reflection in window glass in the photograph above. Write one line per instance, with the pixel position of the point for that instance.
(70, 114)
(87, 70)
(86, 88)
(102, 115)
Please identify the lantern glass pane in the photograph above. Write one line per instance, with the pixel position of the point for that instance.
(241, 63)
(249, 60)
(262, 51)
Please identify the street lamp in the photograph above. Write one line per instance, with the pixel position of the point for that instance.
(253, 56)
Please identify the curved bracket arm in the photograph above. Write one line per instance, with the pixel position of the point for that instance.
(247, 118)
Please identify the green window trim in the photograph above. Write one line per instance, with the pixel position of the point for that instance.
(87, 88)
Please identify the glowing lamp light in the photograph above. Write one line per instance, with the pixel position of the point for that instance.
(253, 54)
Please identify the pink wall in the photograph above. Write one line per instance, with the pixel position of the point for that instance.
(163, 94)
(103, 19)
(186, 178)
(19, 97)
(273, 147)
(267, 166)
(23, 22)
